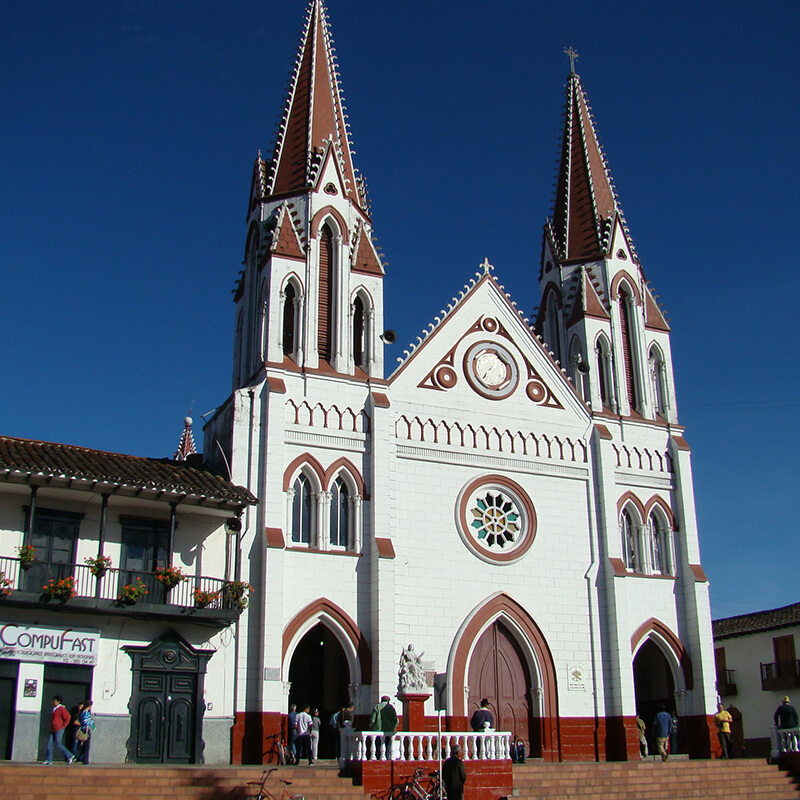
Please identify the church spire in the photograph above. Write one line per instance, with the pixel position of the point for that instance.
(313, 117)
(586, 203)
(186, 445)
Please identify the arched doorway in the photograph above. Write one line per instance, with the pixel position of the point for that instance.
(498, 671)
(654, 684)
(319, 677)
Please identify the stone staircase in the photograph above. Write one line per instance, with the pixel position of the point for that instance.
(738, 779)
(138, 782)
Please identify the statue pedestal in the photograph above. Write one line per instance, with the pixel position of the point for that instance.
(413, 710)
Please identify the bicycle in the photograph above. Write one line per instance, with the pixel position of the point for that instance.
(263, 792)
(415, 789)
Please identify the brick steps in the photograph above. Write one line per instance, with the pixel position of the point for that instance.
(739, 779)
(62, 782)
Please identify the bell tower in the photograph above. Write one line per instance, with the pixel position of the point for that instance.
(598, 313)
(310, 296)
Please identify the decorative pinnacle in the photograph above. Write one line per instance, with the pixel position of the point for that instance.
(572, 56)
(486, 266)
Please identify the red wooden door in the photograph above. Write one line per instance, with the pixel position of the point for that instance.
(498, 672)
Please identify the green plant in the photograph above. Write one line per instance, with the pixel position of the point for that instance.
(132, 592)
(236, 594)
(170, 576)
(98, 565)
(5, 585)
(203, 599)
(27, 554)
(62, 589)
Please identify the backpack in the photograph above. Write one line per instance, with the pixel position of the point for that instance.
(334, 722)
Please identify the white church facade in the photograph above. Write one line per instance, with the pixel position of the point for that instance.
(515, 499)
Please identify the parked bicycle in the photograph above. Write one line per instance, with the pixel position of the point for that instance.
(262, 792)
(419, 787)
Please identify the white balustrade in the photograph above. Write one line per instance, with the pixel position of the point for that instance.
(411, 746)
(787, 740)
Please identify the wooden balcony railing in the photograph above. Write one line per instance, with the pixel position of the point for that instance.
(726, 683)
(27, 584)
(780, 675)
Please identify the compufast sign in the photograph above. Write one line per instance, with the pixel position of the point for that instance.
(30, 643)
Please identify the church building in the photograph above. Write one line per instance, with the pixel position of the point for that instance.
(515, 500)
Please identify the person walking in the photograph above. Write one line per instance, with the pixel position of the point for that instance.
(454, 775)
(662, 727)
(642, 729)
(302, 725)
(291, 732)
(58, 722)
(83, 734)
(722, 720)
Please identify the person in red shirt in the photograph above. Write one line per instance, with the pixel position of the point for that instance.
(58, 723)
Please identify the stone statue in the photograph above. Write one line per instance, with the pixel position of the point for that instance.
(412, 676)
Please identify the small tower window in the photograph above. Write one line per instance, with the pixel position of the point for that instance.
(630, 550)
(358, 333)
(658, 380)
(604, 373)
(326, 288)
(625, 318)
(289, 297)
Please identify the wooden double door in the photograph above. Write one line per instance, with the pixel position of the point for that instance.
(499, 673)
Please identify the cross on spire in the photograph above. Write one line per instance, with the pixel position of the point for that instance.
(572, 56)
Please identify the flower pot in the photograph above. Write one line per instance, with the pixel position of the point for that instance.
(25, 565)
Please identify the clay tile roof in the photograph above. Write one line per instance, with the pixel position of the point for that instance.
(28, 461)
(758, 621)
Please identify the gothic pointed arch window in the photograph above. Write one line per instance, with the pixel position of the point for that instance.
(339, 534)
(577, 368)
(303, 516)
(551, 324)
(658, 380)
(630, 528)
(361, 311)
(289, 322)
(605, 372)
(661, 553)
(626, 321)
(325, 327)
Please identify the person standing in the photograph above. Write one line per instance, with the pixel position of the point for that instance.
(384, 719)
(723, 719)
(83, 734)
(291, 731)
(454, 775)
(58, 722)
(302, 725)
(482, 719)
(662, 727)
(346, 734)
(642, 728)
(785, 715)
(314, 734)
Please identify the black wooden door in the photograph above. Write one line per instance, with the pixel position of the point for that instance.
(165, 718)
(8, 695)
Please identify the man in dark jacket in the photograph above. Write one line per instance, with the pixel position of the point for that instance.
(786, 715)
(454, 775)
(482, 716)
(384, 719)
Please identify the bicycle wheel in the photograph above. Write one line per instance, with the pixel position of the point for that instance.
(298, 797)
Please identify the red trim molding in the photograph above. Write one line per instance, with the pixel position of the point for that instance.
(653, 625)
(321, 607)
(495, 608)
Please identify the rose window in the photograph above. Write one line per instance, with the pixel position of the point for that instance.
(495, 519)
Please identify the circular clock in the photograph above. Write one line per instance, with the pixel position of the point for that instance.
(491, 370)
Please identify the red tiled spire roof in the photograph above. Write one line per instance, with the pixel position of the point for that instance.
(586, 202)
(313, 116)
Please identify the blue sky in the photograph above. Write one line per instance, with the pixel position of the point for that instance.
(128, 132)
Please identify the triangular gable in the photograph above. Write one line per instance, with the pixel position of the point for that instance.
(366, 260)
(286, 242)
(534, 378)
(653, 318)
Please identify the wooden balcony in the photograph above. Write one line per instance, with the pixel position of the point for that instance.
(780, 675)
(103, 595)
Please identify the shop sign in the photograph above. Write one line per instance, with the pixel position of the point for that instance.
(31, 643)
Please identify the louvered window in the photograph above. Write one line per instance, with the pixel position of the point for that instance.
(627, 346)
(326, 263)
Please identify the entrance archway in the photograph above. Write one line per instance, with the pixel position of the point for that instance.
(319, 677)
(498, 672)
(653, 683)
